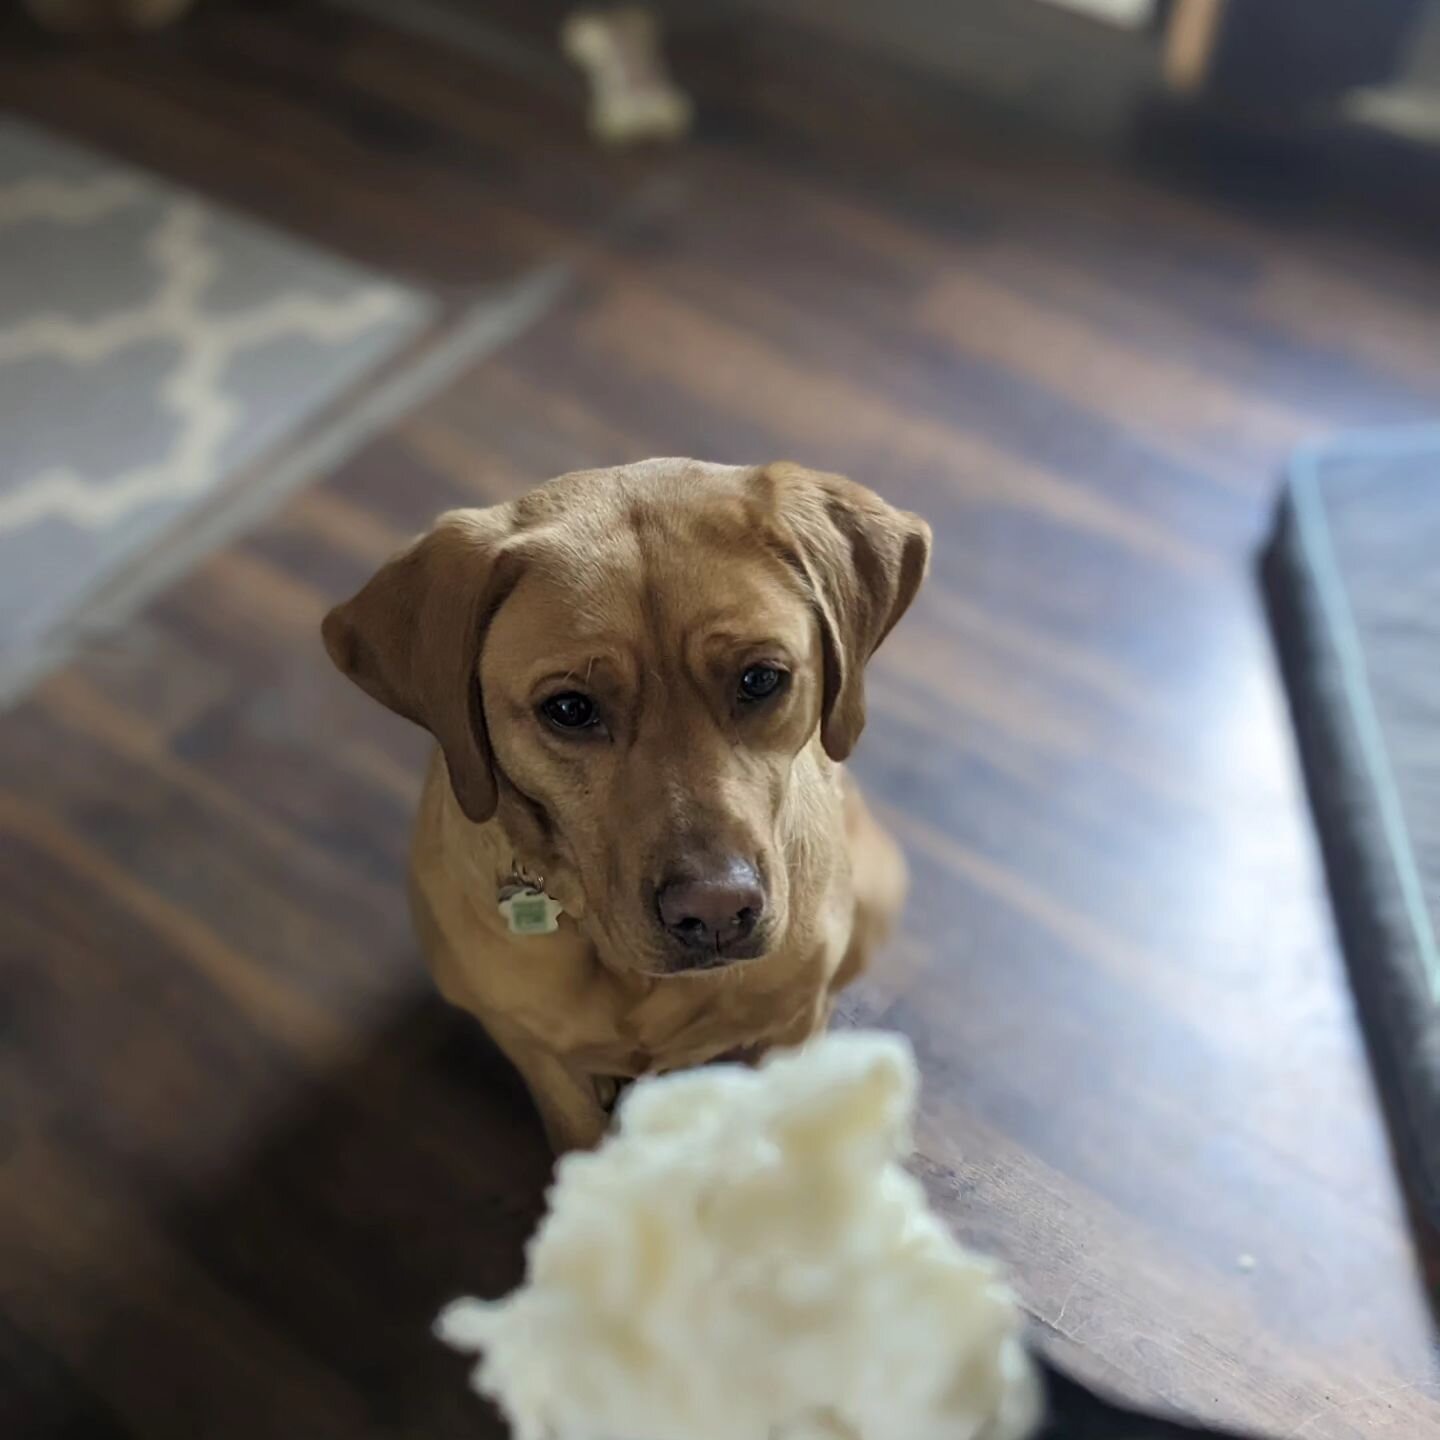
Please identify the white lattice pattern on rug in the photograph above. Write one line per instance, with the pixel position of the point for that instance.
(176, 312)
(152, 347)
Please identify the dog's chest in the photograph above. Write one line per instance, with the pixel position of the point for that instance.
(621, 1029)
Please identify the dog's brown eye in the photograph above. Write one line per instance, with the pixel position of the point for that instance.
(760, 682)
(570, 711)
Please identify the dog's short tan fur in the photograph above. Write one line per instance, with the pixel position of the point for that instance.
(650, 588)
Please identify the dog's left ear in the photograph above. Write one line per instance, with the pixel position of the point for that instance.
(411, 640)
(864, 561)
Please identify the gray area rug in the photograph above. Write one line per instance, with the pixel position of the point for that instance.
(153, 348)
(1353, 581)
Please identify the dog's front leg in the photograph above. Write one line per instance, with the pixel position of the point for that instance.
(568, 1103)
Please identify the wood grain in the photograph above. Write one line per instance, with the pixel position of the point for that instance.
(245, 1155)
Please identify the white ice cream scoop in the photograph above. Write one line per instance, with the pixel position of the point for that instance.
(746, 1258)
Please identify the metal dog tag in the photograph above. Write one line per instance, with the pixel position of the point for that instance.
(531, 912)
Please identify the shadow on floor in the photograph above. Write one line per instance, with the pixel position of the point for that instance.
(295, 1297)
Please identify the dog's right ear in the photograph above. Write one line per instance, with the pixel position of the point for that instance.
(411, 639)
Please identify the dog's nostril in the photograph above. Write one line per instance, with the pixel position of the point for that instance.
(714, 911)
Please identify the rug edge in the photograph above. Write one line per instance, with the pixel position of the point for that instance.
(1363, 888)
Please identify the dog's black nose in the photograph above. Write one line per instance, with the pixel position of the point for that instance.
(715, 913)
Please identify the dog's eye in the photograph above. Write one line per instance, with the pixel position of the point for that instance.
(570, 711)
(760, 682)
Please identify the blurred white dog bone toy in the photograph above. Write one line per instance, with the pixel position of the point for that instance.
(745, 1259)
(631, 94)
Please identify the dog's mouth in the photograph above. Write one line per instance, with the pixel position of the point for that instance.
(695, 961)
(703, 955)
(678, 963)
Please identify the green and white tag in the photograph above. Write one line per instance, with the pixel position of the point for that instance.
(531, 912)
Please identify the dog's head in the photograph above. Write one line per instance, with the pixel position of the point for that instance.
(628, 666)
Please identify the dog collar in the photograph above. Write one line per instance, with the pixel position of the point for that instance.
(527, 909)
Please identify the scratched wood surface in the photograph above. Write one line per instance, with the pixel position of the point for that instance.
(245, 1155)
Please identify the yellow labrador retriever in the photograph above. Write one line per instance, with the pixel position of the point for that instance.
(636, 850)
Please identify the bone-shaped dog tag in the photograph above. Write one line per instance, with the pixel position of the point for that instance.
(531, 912)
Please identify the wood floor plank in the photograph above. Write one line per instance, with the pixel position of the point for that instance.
(703, 356)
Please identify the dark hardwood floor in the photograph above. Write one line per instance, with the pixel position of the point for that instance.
(245, 1155)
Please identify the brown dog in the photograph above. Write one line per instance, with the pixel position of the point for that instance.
(641, 680)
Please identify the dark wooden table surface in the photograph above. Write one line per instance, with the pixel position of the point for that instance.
(245, 1155)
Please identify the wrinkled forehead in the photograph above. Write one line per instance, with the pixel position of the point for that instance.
(655, 569)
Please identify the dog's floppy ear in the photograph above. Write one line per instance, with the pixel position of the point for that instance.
(864, 561)
(411, 639)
